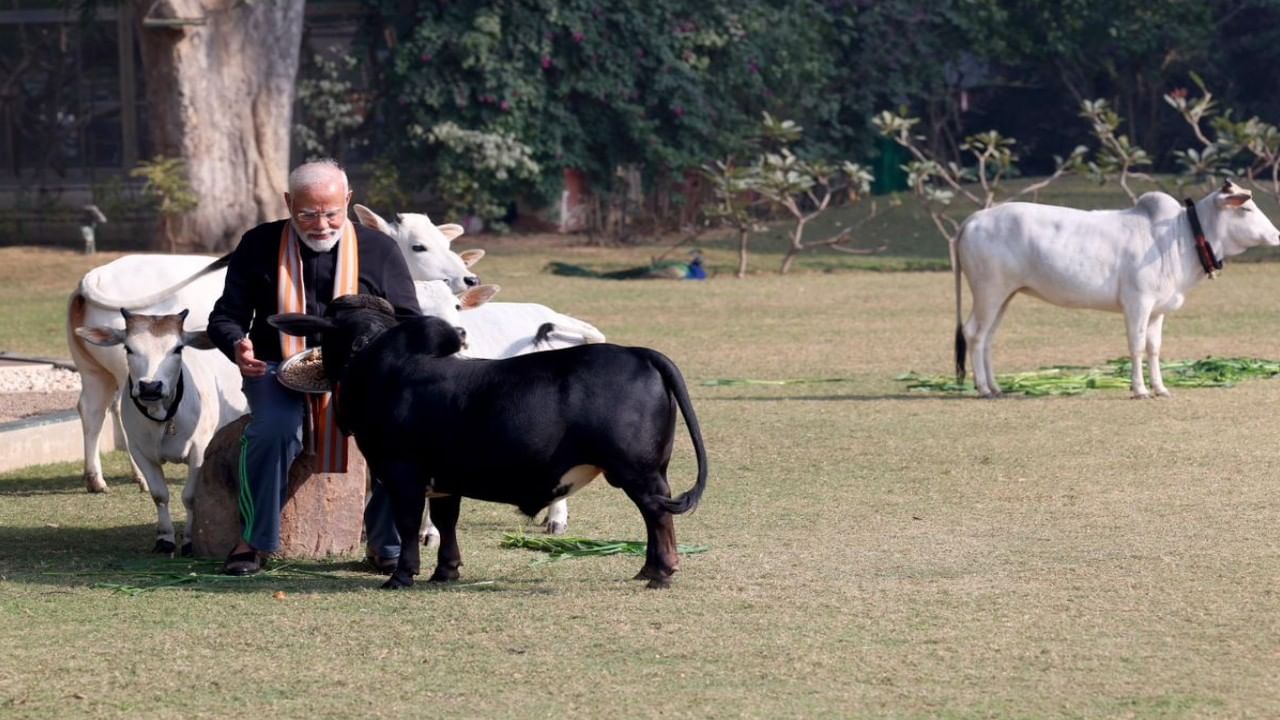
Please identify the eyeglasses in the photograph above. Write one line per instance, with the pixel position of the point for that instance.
(309, 217)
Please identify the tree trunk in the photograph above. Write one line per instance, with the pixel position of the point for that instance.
(796, 246)
(220, 78)
(742, 252)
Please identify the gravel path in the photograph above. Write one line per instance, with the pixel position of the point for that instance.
(27, 390)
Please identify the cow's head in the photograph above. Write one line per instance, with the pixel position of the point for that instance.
(353, 322)
(426, 247)
(1236, 221)
(436, 299)
(153, 349)
(349, 325)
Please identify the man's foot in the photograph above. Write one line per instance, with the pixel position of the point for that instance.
(382, 565)
(245, 562)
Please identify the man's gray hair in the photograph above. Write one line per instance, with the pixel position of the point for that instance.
(316, 173)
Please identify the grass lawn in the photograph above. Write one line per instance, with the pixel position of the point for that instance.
(873, 552)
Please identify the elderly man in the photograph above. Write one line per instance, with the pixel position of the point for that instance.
(296, 265)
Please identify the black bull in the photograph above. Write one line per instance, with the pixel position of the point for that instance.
(523, 431)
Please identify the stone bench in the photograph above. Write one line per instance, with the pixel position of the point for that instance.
(322, 516)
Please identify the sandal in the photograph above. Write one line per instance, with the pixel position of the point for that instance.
(241, 564)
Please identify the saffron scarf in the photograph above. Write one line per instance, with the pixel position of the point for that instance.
(324, 439)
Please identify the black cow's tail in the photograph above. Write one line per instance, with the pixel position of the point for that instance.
(962, 350)
(155, 297)
(674, 381)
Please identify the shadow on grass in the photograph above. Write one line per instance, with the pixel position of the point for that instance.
(112, 560)
(54, 480)
(117, 559)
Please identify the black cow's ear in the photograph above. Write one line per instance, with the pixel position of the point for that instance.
(444, 339)
(300, 325)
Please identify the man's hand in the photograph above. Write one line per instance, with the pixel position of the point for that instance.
(250, 366)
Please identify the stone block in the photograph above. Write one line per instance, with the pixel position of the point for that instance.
(322, 515)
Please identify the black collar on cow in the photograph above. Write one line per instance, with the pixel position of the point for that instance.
(1208, 260)
(169, 411)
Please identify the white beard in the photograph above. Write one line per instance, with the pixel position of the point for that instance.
(320, 245)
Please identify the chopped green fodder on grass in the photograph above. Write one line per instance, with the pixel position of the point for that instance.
(136, 578)
(560, 548)
(1074, 380)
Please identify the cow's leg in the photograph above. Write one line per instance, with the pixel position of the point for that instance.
(154, 473)
(557, 521)
(408, 497)
(449, 555)
(990, 343)
(97, 390)
(430, 534)
(1137, 315)
(979, 331)
(116, 417)
(1155, 332)
(661, 560)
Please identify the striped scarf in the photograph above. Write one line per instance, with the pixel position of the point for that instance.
(324, 438)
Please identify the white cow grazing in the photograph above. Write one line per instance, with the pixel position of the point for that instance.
(426, 247)
(1141, 262)
(501, 330)
(177, 401)
(158, 284)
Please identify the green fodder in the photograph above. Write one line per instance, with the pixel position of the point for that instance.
(563, 547)
(1074, 379)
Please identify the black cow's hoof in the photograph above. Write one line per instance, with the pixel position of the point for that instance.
(164, 547)
(442, 575)
(650, 573)
(398, 582)
(659, 583)
(187, 551)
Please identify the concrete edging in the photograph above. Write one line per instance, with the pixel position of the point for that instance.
(48, 438)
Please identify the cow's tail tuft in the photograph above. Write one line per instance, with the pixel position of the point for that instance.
(961, 346)
(675, 385)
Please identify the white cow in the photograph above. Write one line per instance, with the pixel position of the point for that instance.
(177, 399)
(426, 248)
(501, 330)
(159, 284)
(1141, 262)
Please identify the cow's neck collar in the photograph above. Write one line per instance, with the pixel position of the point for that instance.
(169, 411)
(1208, 260)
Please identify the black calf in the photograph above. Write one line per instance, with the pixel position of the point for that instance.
(523, 431)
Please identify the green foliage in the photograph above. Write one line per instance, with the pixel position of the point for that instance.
(1248, 149)
(384, 189)
(665, 87)
(781, 179)
(1116, 154)
(938, 183)
(476, 171)
(167, 184)
(330, 110)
